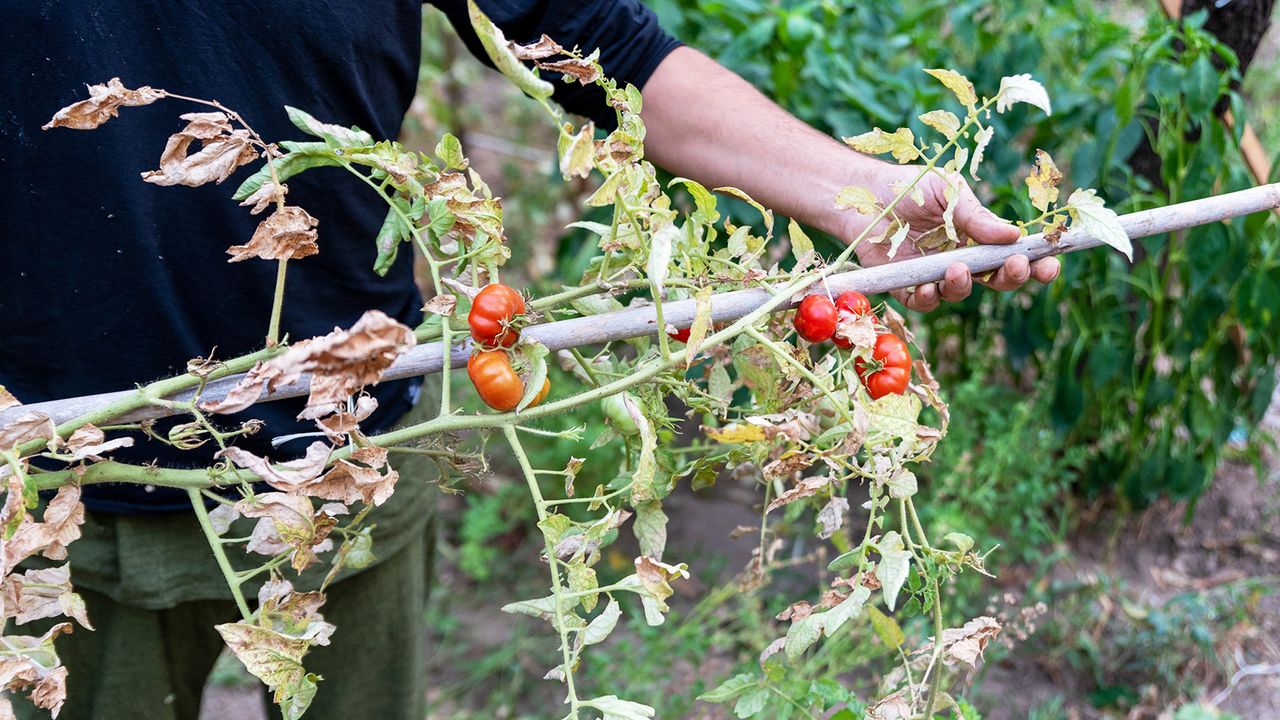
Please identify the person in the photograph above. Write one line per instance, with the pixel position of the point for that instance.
(107, 281)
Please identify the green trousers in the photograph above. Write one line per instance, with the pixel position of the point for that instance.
(154, 592)
(142, 664)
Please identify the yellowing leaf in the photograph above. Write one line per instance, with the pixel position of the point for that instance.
(1042, 183)
(737, 433)
(1021, 88)
(857, 198)
(1091, 216)
(499, 51)
(577, 152)
(900, 143)
(957, 84)
(801, 245)
(886, 628)
(944, 121)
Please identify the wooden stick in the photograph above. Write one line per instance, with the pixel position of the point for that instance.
(730, 306)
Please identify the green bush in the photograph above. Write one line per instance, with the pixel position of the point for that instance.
(1150, 366)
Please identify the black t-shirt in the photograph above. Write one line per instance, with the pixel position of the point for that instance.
(107, 281)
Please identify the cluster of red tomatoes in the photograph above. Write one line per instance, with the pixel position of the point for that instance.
(493, 310)
(889, 369)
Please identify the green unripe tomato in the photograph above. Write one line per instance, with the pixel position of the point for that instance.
(615, 411)
(828, 411)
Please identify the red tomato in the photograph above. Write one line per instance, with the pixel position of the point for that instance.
(492, 311)
(681, 335)
(495, 380)
(889, 370)
(815, 319)
(854, 303)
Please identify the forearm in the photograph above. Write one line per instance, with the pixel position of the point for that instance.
(706, 123)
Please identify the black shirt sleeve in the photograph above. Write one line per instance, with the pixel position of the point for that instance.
(631, 41)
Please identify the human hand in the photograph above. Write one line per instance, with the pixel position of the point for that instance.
(972, 220)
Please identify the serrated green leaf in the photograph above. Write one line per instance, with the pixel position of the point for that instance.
(305, 157)
(705, 212)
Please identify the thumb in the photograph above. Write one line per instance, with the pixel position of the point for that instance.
(980, 224)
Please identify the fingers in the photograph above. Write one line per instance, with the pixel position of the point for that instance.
(1012, 275)
(922, 298)
(957, 284)
(1045, 270)
(979, 223)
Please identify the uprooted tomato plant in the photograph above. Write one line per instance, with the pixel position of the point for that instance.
(815, 403)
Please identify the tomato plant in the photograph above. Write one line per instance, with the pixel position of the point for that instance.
(783, 418)
(493, 310)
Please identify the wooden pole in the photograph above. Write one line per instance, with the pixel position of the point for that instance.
(730, 306)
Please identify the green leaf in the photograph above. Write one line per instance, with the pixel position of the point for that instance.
(730, 689)
(615, 709)
(962, 542)
(650, 529)
(704, 202)
(602, 625)
(534, 354)
(886, 628)
(804, 633)
(495, 46)
(902, 484)
(394, 231)
(304, 157)
(801, 245)
(751, 703)
(341, 135)
(449, 150)
(741, 195)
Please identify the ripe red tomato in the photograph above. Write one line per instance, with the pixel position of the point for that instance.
(815, 319)
(495, 380)
(854, 303)
(681, 335)
(889, 370)
(492, 310)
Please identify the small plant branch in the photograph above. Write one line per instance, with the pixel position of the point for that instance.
(219, 554)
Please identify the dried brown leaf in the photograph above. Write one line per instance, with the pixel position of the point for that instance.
(222, 151)
(103, 104)
(30, 425)
(807, 487)
(286, 234)
(336, 426)
(264, 196)
(88, 441)
(339, 363)
(60, 527)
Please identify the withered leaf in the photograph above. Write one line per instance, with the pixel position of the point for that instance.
(293, 523)
(1042, 183)
(286, 234)
(88, 441)
(42, 593)
(31, 662)
(831, 516)
(442, 305)
(60, 527)
(544, 47)
(349, 482)
(30, 425)
(222, 151)
(286, 475)
(339, 363)
(264, 196)
(7, 400)
(103, 104)
(336, 426)
(807, 487)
